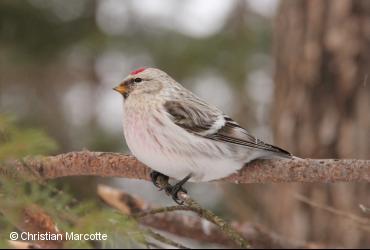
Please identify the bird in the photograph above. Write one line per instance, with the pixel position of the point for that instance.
(180, 136)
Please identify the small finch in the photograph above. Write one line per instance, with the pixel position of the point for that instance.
(179, 135)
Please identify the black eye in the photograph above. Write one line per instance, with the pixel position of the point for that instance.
(138, 79)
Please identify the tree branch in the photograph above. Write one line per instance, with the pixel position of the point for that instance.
(210, 216)
(260, 171)
(116, 198)
(196, 228)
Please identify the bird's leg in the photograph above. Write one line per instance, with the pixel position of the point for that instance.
(173, 190)
(154, 175)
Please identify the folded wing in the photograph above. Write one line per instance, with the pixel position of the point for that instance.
(198, 118)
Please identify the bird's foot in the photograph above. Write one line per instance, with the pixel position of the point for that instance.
(175, 189)
(173, 192)
(154, 175)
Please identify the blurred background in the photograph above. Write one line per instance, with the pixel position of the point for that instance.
(294, 73)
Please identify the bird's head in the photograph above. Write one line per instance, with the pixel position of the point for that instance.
(142, 81)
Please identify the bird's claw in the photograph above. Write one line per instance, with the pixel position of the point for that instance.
(170, 190)
(154, 175)
(173, 192)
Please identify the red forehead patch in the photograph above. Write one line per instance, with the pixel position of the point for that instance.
(137, 71)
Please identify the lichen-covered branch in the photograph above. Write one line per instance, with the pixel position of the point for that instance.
(195, 228)
(128, 204)
(119, 165)
(192, 205)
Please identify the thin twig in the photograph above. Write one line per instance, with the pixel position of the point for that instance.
(132, 206)
(191, 205)
(208, 215)
(162, 210)
(195, 228)
(362, 223)
(164, 240)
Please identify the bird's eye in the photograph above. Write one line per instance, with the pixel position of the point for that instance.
(138, 79)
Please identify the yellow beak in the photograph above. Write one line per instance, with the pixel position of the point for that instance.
(121, 89)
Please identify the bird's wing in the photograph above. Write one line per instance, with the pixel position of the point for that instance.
(200, 119)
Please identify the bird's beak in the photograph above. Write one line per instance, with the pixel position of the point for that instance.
(121, 89)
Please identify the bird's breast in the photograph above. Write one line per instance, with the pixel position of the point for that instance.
(142, 129)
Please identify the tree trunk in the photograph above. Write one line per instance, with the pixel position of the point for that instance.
(322, 110)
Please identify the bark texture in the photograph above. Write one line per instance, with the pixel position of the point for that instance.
(322, 109)
(86, 163)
